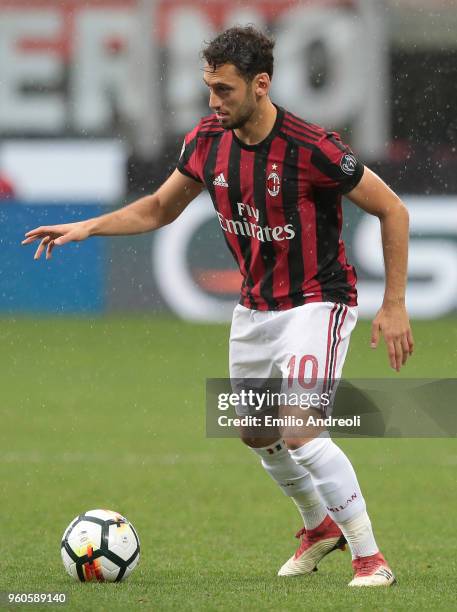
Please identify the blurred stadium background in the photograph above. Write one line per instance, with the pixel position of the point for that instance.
(106, 347)
(96, 96)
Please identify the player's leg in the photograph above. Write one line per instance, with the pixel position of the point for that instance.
(294, 481)
(251, 357)
(331, 471)
(336, 482)
(298, 360)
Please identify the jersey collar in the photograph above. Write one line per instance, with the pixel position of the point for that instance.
(266, 141)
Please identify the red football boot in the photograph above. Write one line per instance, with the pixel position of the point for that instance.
(371, 571)
(315, 544)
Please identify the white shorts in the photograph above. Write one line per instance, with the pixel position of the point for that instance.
(302, 348)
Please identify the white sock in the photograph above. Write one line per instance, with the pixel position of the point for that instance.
(359, 536)
(333, 477)
(336, 482)
(294, 481)
(310, 506)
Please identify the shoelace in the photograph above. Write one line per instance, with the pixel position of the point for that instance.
(300, 533)
(304, 542)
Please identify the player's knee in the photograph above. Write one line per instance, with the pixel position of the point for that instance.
(294, 443)
(255, 442)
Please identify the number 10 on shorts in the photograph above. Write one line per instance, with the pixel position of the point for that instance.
(305, 373)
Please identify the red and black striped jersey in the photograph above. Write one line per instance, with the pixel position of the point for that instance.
(279, 206)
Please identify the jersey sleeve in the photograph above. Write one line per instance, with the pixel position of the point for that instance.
(334, 165)
(188, 160)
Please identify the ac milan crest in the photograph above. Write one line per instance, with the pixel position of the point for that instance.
(273, 184)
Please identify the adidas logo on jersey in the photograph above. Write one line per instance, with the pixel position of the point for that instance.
(220, 181)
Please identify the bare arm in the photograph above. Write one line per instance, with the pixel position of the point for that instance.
(375, 197)
(143, 215)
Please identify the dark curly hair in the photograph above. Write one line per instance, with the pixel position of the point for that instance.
(248, 49)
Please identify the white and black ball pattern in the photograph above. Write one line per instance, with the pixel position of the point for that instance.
(100, 545)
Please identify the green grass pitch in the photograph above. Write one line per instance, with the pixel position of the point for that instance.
(110, 413)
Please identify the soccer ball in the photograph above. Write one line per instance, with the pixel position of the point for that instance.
(100, 545)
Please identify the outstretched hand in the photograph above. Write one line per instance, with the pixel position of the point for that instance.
(393, 323)
(56, 235)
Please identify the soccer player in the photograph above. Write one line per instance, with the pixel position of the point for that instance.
(276, 182)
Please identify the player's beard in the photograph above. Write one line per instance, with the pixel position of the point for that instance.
(243, 114)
